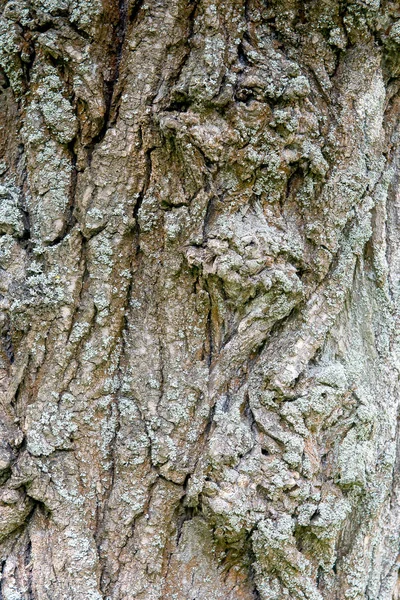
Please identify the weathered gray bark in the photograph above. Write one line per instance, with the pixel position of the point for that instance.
(200, 263)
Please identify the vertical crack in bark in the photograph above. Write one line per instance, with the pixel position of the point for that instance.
(28, 567)
(134, 11)
(6, 339)
(21, 168)
(208, 344)
(120, 35)
(2, 566)
(141, 195)
(110, 86)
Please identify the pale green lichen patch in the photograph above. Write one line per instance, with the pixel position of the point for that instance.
(11, 216)
(57, 111)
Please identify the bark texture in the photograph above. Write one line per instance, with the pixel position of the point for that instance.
(200, 264)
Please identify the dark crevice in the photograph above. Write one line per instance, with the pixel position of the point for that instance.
(180, 103)
(243, 60)
(320, 575)
(81, 32)
(5, 476)
(165, 205)
(134, 11)
(248, 413)
(28, 566)
(7, 343)
(186, 513)
(42, 27)
(27, 68)
(263, 493)
(207, 218)
(113, 102)
(41, 507)
(4, 80)
(246, 12)
(93, 233)
(109, 85)
(58, 64)
(299, 537)
(322, 91)
(315, 516)
(226, 403)
(256, 593)
(293, 184)
(141, 196)
(3, 564)
(25, 240)
(209, 337)
(121, 33)
(15, 399)
(209, 422)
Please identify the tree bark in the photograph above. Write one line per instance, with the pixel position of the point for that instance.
(200, 263)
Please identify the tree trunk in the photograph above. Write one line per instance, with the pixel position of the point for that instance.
(200, 263)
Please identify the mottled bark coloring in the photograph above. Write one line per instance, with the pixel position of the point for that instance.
(200, 299)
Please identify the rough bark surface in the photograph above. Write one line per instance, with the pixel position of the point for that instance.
(200, 263)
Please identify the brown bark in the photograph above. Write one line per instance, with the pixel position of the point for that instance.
(199, 252)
